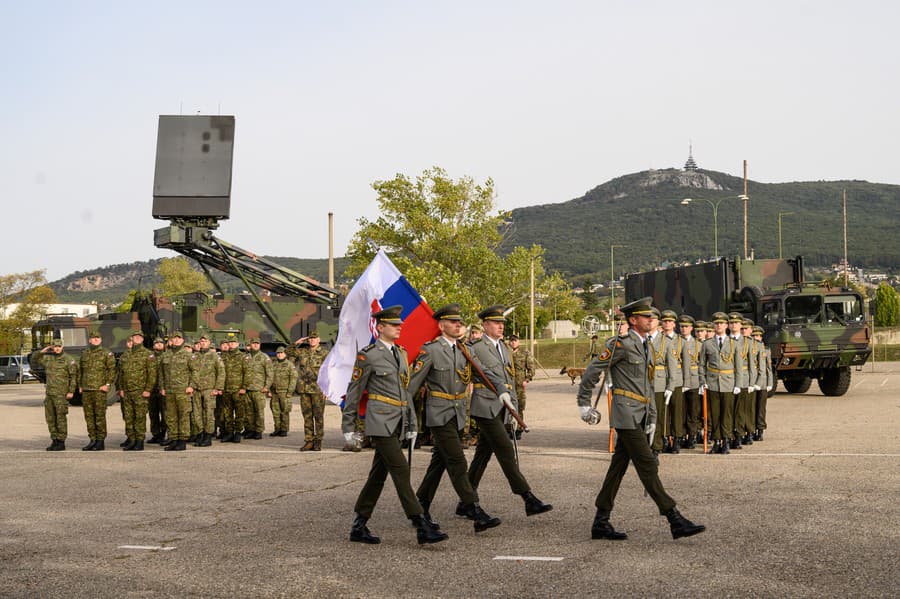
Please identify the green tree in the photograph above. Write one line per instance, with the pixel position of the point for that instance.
(445, 236)
(178, 276)
(887, 306)
(23, 299)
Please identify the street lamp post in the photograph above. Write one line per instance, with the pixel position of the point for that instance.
(715, 207)
(780, 214)
(612, 284)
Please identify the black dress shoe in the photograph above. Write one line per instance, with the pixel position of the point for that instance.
(427, 516)
(758, 436)
(166, 442)
(602, 529)
(461, 511)
(90, 446)
(533, 505)
(155, 439)
(681, 526)
(360, 533)
(482, 520)
(426, 534)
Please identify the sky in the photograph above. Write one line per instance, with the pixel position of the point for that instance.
(548, 99)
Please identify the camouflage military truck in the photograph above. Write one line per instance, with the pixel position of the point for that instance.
(814, 331)
(194, 314)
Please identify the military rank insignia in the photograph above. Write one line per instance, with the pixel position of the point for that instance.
(357, 372)
(605, 354)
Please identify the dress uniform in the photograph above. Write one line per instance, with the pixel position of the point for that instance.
(665, 378)
(445, 373)
(382, 370)
(629, 363)
(719, 366)
(691, 379)
(745, 374)
(488, 410)
(747, 422)
(767, 381)
(675, 412)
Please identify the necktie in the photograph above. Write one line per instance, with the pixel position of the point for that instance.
(646, 349)
(720, 344)
(396, 355)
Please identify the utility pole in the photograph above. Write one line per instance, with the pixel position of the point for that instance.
(331, 249)
(846, 264)
(745, 209)
(531, 316)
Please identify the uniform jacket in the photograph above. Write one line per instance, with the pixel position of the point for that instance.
(61, 372)
(309, 361)
(284, 376)
(137, 370)
(630, 369)
(690, 362)
(719, 370)
(177, 370)
(234, 363)
(662, 353)
(748, 366)
(209, 371)
(446, 373)
(767, 377)
(756, 355)
(524, 366)
(257, 371)
(389, 409)
(485, 403)
(97, 367)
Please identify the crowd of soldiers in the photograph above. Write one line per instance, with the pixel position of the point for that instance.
(190, 392)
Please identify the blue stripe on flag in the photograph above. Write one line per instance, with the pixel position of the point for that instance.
(401, 292)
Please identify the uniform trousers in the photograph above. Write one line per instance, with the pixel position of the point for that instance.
(178, 414)
(661, 413)
(693, 403)
(256, 411)
(388, 458)
(632, 446)
(156, 409)
(206, 418)
(55, 411)
(134, 405)
(493, 439)
(762, 396)
(232, 412)
(312, 406)
(676, 415)
(94, 403)
(447, 454)
(717, 402)
(280, 404)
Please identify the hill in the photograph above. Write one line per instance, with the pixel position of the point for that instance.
(643, 212)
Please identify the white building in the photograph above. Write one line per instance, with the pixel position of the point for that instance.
(76, 309)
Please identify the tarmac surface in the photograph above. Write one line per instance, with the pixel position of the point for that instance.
(811, 511)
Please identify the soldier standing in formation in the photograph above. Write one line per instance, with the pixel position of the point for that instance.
(61, 372)
(257, 380)
(767, 382)
(489, 409)
(156, 405)
(224, 348)
(284, 380)
(177, 370)
(523, 365)
(745, 375)
(675, 412)
(135, 381)
(97, 369)
(666, 376)
(747, 407)
(445, 374)
(209, 379)
(719, 366)
(382, 370)
(693, 408)
(312, 401)
(628, 361)
(233, 409)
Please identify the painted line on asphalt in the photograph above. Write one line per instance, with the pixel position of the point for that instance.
(733, 453)
(527, 558)
(884, 382)
(146, 547)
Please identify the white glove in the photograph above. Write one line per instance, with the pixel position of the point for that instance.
(350, 438)
(506, 400)
(589, 414)
(737, 391)
(668, 395)
(768, 388)
(703, 388)
(411, 435)
(758, 388)
(685, 389)
(609, 386)
(650, 429)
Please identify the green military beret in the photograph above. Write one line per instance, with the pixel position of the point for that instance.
(641, 307)
(720, 317)
(448, 312)
(389, 315)
(686, 320)
(494, 313)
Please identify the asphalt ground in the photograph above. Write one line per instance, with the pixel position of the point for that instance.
(811, 511)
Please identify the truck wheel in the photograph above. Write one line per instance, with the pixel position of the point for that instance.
(835, 381)
(798, 385)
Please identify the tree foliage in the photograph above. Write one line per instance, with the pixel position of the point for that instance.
(446, 237)
(31, 295)
(178, 276)
(887, 306)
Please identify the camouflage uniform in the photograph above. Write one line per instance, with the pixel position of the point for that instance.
(97, 369)
(257, 380)
(209, 379)
(524, 372)
(137, 375)
(177, 372)
(312, 401)
(233, 409)
(284, 379)
(61, 373)
(156, 405)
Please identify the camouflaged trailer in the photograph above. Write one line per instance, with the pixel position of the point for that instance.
(814, 332)
(194, 314)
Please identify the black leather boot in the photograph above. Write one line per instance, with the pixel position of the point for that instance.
(172, 445)
(681, 526)
(205, 440)
(427, 516)
(676, 446)
(426, 534)
(602, 529)
(461, 511)
(483, 520)
(56, 445)
(99, 445)
(166, 442)
(125, 442)
(129, 446)
(181, 445)
(360, 533)
(236, 438)
(89, 446)
(138, 446)
(533, 505)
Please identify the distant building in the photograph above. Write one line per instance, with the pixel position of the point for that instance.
(76, 309)
(690, 165)
(560, 329)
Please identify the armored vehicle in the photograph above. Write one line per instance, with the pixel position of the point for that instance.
(814, 331)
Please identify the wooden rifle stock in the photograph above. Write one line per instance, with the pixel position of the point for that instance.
(487, 383)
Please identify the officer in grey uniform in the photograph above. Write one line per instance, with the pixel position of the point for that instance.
(693, 414)
(489, 409)
(720, 365)
(767, 381)
(442, 368)
(666, 376)
(744, 375)
(382, 370)
(628, 362)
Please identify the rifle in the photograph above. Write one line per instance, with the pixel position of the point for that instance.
(487, 383)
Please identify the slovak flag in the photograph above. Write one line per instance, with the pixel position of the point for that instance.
(380, 286)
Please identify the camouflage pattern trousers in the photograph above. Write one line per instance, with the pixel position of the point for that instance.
(256, 411)
(156, 408)
(312, 406)
(232, 411)
(280, 404)
(95, 414)
(203, 412)
(134, 406)
(520, 399)
(55, 410)
(178, 413)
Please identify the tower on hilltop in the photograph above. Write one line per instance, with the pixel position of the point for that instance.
(690, 165)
